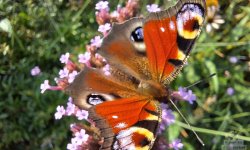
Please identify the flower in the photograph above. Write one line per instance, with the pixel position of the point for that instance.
(81, 136)
(213, 19)
(230, 91)
(82, 114)
(60, 112)
(153, 8)
(187, 95)
(212, 3)
(167, 118)
(233, 59)
(176, 144)
(44, 86)
(84, 58)
(102, 5)
(104, 28)
(70, 108)
(64, 73)
(72, 76)
(35, 71)
(96, 41)
(73, 145)
(106, 70)
(64, 58)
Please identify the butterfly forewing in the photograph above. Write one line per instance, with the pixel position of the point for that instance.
(169, 37)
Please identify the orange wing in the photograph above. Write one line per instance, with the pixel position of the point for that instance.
(169, 36)
(128, 123)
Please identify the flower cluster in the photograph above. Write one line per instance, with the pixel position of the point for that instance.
(71, 110)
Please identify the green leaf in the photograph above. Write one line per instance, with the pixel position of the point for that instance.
(212, 69)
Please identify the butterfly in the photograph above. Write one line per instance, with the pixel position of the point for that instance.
(145, 55)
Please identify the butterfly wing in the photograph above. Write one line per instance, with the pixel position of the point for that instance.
(170, 35)
(92, 87)
(126, 119)
(152, 49)
(124, 49)
(129, 123)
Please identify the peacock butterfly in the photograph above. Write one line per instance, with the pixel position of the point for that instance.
(145, 55)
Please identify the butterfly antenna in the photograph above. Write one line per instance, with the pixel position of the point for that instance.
(190, 127)
(200, 81)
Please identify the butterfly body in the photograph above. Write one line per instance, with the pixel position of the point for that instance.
(144, 55)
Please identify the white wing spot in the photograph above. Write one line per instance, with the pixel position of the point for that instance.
(115, 117)
(162, 29)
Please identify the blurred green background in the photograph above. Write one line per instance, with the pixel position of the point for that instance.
(36, 33)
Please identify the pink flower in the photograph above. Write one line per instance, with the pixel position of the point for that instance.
(102, 5)
(96, 41)
(73, 145)
(176, 144)
(114, 14)
(81, 137)
(187, 95)
(70, 108)
(84, 58)
(104, 28)
(35, 71)
(153, 8)
(82, 114)
(64, 58)
(72, 76)
(64, 73)
(44, 86)
(106, 69)
(60, 112)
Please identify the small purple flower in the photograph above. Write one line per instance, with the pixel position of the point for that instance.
(72, 76)
(102, 5)
(176, 144)
(233, 59)
(106, 70)
(82, 114)
(104, 28)
(70, 100)
(73, 145)
(35, 71)
(44, 86)
(64, 73)
(96, 41)
(70, 108)
(153, 8)
(64, 58)
(187, 95)
(230, 91)
(84, 58)
(115, 14)
(60, 111)
(81, 137)
(167, 118)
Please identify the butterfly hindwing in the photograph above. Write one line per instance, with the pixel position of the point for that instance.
(129, 123)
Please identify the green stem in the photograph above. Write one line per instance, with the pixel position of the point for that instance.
(244, 114)
(222, 44)
(214, 132)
